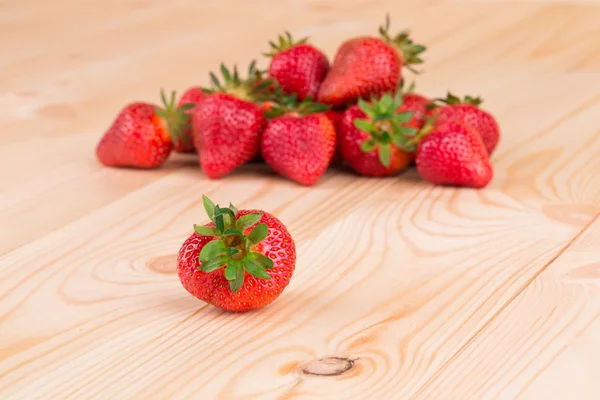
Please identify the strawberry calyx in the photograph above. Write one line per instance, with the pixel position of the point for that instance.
(246, 89)
(409, 50)
(409, 89)
(285, 42)
(289, 104)
(410, 142)
(232, 249)
(176, 119)
(452, 99)
(385, 125)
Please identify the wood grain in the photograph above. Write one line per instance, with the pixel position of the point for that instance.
(544, 344)
(402, 291)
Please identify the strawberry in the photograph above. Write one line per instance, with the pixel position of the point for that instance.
(372, 135)
(368, 67)
(193, 96)
(468, 109)
(452, 153)
(336, 119)
(299, 141)
(142, 134)
(240, 261)
(298, 67)
(228, 124)
(418, 104)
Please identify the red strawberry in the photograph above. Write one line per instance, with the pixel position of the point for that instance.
(299, 143)
(242, 260)
(452, 153)
(418, 105)
(372, 135)
(368, 67)
(297, 66)
(336, 119)
(142, 134)
(228, 125)
(193, 96)
(468, 110)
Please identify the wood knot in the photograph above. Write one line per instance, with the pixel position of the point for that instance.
(329, 366)
(163, 264)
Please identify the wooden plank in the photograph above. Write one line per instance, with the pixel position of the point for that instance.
(544, 344)
(396, 280)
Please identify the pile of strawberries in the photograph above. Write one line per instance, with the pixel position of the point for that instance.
(303, 114)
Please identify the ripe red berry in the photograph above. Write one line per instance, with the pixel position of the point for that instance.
(240, 261)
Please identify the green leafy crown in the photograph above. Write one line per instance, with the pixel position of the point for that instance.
(250, 88)
(411, 52)
(385, 125)
(176, 118)
(233, 249)
(285, 42)
(285, 104)
(452, 99)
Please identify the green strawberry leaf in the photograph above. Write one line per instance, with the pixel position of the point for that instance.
(236, 283)
(385, 102)
(363, 125)
(384, 155)
(224, 211)
(368, 145)
(259, 233)
(225, 73)
(211, 250)
(214, 263)
(248, 220)
(403, 117)
(219, 221)
(230, 272)
(232, 231)
(366, 108)
(209, 206)
(407, 131)
(261, 260)
(232, 250)
(258, 271)
(205, 230)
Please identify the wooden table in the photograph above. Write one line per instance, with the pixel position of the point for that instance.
(429, 292)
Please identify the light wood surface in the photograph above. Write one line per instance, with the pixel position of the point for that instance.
(430, 293)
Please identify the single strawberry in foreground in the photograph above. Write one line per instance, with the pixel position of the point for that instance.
(372, 134)
(240, 261)
(368, 67)
(452, 153)
(228, 124)
(299, 141)
(192, 96)
(298, 67)
(468, 110)
(142, 134)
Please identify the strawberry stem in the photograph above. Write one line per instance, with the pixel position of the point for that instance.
(232, 249)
